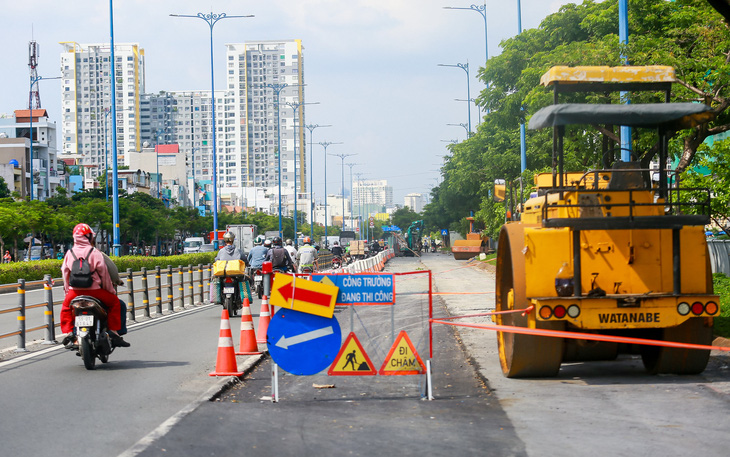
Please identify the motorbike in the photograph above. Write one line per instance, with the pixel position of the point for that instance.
(258, 283)
(336, 262)
(231, 293)
(433, 248)
(91, 330)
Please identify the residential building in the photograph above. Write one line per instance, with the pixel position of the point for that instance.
(373, 196)
(15, 151)
(86, 103)
(257, 72)
(414, 201)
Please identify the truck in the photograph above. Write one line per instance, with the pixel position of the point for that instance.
(193, 244)
(245, 236)
(346, 237)
(618, 249)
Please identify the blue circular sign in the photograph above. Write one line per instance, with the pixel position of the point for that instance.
(301, 343)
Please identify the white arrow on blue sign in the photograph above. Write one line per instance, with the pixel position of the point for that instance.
(301, 343)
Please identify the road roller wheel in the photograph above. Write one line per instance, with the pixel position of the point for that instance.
(521, 356)
(664, 360)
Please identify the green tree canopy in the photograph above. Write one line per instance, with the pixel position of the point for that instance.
(685, 34)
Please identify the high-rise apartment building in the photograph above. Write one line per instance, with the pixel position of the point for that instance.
(264, 91)
(372, 195)
(86, 101)
(260, 74)
(414, 201)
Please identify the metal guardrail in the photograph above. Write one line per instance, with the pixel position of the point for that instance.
(189, 277)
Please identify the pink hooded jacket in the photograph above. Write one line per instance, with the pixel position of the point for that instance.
(96, 262)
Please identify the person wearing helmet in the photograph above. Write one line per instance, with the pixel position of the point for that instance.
(229, 251)
(291, 249)
(307, 256)
(337, 250)
(279, 257)
(102, 286)
(258, 254)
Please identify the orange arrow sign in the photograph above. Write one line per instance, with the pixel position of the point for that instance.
(303, 295)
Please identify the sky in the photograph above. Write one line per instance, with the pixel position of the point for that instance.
(373, 66)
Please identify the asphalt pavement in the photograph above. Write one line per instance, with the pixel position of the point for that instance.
(348, 415)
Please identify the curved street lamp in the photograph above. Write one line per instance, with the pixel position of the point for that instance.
(465, 67)
(325, 144)
(342, 156)
(295, 106)
(311, 128)
(211, 19)
(466, 127)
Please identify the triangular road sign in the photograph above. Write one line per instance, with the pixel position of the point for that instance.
(352, 360)
(402, 358)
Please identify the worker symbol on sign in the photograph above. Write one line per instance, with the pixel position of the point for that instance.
(347, 361)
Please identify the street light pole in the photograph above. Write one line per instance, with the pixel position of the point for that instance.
(481, 9)
(325, 144)
(465, 67)
(311, 128)
(295, 106)
(342, 156)
(278, 88)
(466, 127)
(115, 153)
(479, 109)
(211, 19)
(351, 207)
(359, 204)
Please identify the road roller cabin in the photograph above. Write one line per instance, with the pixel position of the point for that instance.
(614, 251)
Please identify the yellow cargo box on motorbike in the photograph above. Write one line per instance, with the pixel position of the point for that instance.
(229, 268)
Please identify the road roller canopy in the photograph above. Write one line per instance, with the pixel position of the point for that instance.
(605, 74)
(658, 115)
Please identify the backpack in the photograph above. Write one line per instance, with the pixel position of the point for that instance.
(81, 274)
(278, 257)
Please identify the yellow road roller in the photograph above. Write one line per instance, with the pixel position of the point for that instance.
(618, 250)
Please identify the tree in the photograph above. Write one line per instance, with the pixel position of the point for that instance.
(4, 191)
(686, 34)
(403, 217)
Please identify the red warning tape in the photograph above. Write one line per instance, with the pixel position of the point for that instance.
(581, 336)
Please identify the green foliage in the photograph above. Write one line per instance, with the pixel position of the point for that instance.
(686, 34)
(722, 288)
(35, 270)
(4, 191)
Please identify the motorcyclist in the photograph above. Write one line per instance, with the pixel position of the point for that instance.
(257, 255)
(307, 255)
(279, 257)
(375, 247)
(291, 249)
(337, 250)
(228, 252)
(102, 287)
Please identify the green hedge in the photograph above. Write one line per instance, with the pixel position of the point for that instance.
(35, 270)
(722, 288)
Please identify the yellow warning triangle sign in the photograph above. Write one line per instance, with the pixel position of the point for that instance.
(402, 358)
(352, 360)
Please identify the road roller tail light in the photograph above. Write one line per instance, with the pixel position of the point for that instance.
(683, 308)
(697, 308)
(559, 311)
(711, 308)
(546, 312)
(573, 311)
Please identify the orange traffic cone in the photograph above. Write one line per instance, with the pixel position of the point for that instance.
(248, 337)
(225, 365)
(264, 319)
